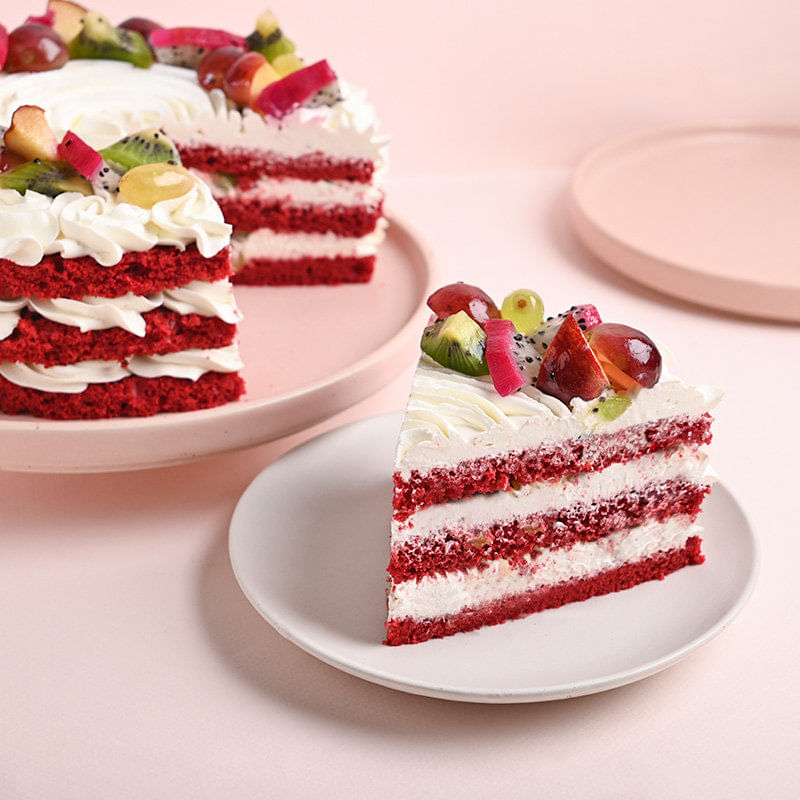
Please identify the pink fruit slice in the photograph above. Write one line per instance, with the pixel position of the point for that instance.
(569, 368)
(3, 46)
(186, 47)
(501, 358)
(627, 355)
(585, 315)
(84, 159)
(48, 18)
(284, 96)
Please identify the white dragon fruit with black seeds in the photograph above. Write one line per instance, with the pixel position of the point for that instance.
(328, 95)
(511, 357)
(585, 315)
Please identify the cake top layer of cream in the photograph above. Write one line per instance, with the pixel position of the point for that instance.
(34, 225)
(102, 101)
(452, 417)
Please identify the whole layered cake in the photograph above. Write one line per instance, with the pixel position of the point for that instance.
(541, 461)
(115, 298)
(291, 153)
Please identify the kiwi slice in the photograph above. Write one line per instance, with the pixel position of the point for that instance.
(150, 146)
(46, 177)
(100, 39)
(610, 407)
(457, 342)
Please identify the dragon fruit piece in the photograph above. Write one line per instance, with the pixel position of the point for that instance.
(512, 360)
(3, 46)
(86, 161)
(186, 47)
(297, 89)
(47, 19)
(585, 315)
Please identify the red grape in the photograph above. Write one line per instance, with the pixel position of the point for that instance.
(627, 355)
(211, 70)
(35, 48)
(457, 297)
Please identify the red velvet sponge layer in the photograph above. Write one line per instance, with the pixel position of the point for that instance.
(39, 341)
(551, 461)
(409, 631)
(141, 273)
(250, 214)
(237, 161)
(459, 549)
(129, 397)
(305, 271)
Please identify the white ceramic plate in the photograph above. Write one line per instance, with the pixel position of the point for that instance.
(309, 544)
(706, 213)
(309, 353)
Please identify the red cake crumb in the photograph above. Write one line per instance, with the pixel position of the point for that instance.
(40, 341)
(409, 631)
(457, 549)
(250, 214)
(550, 461)
(305, 271)
(141, 273)
(129, 397)
(310, 167)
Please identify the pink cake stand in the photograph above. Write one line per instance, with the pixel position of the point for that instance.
(708, 214)
(309, 353)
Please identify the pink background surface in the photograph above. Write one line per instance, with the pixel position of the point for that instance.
(130, 663)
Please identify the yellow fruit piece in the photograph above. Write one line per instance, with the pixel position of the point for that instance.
(68, 18)
(149, 184)
(267, 23)
(287, 63)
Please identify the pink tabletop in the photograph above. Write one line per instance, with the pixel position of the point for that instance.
(132, 666)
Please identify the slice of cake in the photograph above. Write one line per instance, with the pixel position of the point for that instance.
(540, 462)
(292, 154)
(115, 298)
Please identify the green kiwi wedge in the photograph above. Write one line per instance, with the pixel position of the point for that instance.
(457, 342)
(100, 39)
(45, 177)
(150, 146)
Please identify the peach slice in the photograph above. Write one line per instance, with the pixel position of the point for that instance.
(29, 136)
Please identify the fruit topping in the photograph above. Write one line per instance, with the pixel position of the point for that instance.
(268, 38)
(86, 161)
(610, 407)
(525, 309)
(142, 26)
(569, 368)
(186, 47)
(35, 48)
(211, 70)
(67, 18)
(586, 316)
(514, 362)
(306, 87)
(287, 64)
(47, 19)
(629, 357)
(457, 342)
(46, 177)
(149, 184)
(247, 77)
(9, 160)
(29, 136)
(457, 297)
(3, 46)
(98, 38)
(150, 146)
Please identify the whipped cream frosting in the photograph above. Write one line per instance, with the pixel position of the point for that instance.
(100, 226)
(452, 417)
(101, 313)
(75, 378)
(102, 101)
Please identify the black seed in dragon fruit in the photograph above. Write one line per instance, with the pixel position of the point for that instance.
(585, 315)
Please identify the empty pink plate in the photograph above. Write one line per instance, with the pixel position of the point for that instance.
(309, 352)
(708, 214)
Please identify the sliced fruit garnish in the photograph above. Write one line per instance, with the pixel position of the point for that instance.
(9, 160)
(295, 90)
(67, 18)
(29, 136)
(611, 407)
(98, 38)
(35, 48)
(47, 19)
(247, 77)
(628, 356)
(501, 358)
(569, 368)
(525, 309)
(268, 38)
(142, 26)
(457, 342)
(455, 297)
(585, 315)
(3, 46)
(186, 47)
(46, 177)
(151, 183)
(211, 70)
(86, 161)
(150, 146)
(287, 64)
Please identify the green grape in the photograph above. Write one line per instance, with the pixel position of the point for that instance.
(525, 309)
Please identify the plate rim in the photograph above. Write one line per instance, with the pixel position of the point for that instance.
(495, 696)
(615, 251)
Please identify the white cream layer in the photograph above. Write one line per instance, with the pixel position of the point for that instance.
(75, 378)
(102, 101)
(483, 510)
(440, 595)
(101, 313)
(452, 417)
(266, 243)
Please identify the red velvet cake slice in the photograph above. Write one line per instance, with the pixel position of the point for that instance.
(540, 462)
(115, 298)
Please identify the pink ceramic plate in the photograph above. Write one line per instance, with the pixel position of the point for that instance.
(707, 213)
(309, 352)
